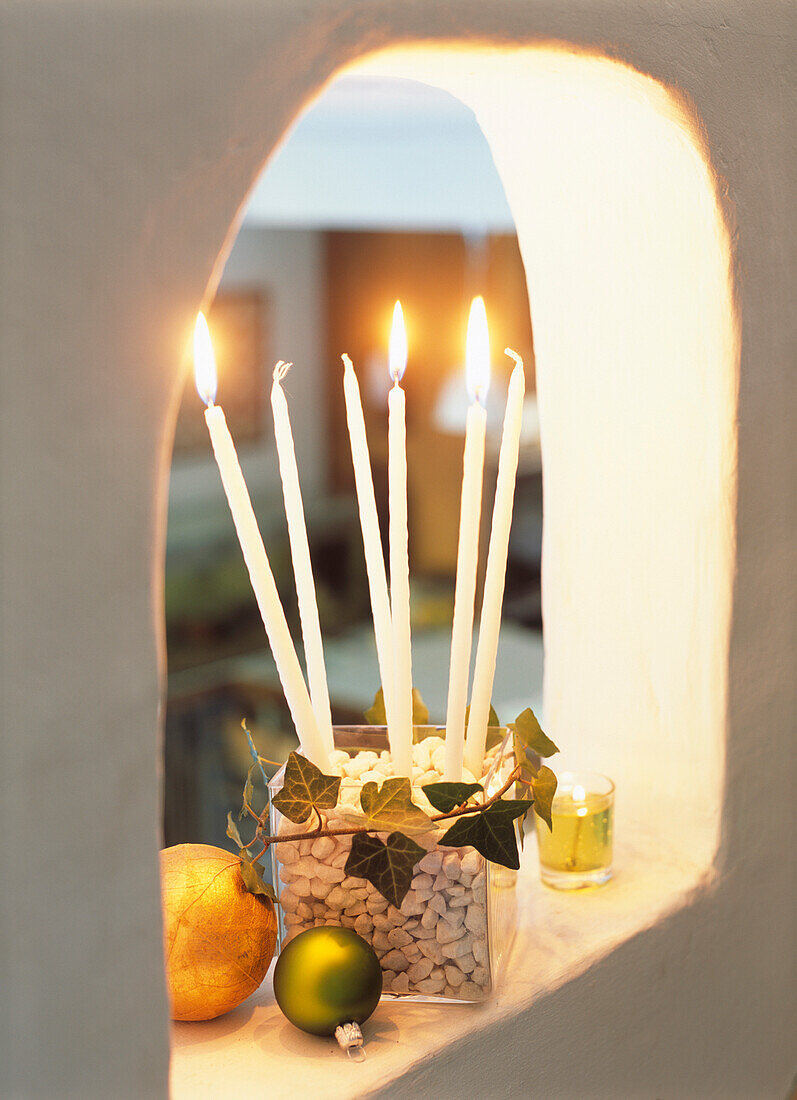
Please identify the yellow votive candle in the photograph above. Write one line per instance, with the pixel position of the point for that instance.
(577, 852)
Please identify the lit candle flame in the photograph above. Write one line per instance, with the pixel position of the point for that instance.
(397, 357)
(204, 361)
(477, 352)
(579, 794)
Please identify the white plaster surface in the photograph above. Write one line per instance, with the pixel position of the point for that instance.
(130, 135)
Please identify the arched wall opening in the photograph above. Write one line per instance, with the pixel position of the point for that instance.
(629, 276)
(628, 262)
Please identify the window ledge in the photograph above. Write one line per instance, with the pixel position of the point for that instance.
(559, 937)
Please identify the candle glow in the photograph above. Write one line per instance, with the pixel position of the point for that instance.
(205, 376)
(477, 352)
(397, 354)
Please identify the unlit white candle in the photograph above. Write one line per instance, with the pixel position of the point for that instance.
(493, 598)
(399, 555)
(268, 601)
(372, 539)
(478, 377)
(300, 555)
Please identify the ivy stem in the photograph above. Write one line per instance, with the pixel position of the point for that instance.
(459, 812)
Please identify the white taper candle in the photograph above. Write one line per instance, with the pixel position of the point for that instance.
(372, 539)
(493, 598)
(268, 601)
(478, 378)
(399, 554)
(300, 555)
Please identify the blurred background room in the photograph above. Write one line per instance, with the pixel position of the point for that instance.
(384, 190)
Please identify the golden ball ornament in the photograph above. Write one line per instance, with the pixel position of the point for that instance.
(218, 938)
(325, 977)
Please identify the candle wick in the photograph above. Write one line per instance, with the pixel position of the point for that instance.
(395, 379)
(210, 403)
(281, 370)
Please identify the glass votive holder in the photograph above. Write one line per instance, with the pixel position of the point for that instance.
(577, 853)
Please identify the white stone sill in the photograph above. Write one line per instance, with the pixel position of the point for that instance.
(254, 1048)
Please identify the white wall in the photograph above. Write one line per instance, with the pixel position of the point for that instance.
(130, 136)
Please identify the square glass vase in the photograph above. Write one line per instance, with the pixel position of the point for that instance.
(449, 939)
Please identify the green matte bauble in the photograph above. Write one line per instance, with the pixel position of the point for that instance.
(326, 977)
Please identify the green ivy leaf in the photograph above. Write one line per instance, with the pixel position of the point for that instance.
(252, 874)
(249, 793)
(388, 867)
(420, 711)
(377, 716)
(391, 807)
(492, 719)
(491, 832)
(544, 788)
(232, 831)
(446, 797)
(529, 732)
(305, 787)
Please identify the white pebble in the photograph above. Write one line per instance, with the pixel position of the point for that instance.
(438, 904)
(400, 984)
(429, 919)
(446, 933)
(431, 985)
(412, 908)
(475, 918)
(455, 917)
(466, 963)
(471, 862)
(364, 925)
(398, 937)
(471, 991)
(461, 899)
(431, 863)
(301, 888)
(326, 872)
(288, 900)
(432, 950)
(396, 960)
(480, 951)
(338, 898)
(455, 949)
(420, 970)
(454, 976)
(380, 941)
(481, 976)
